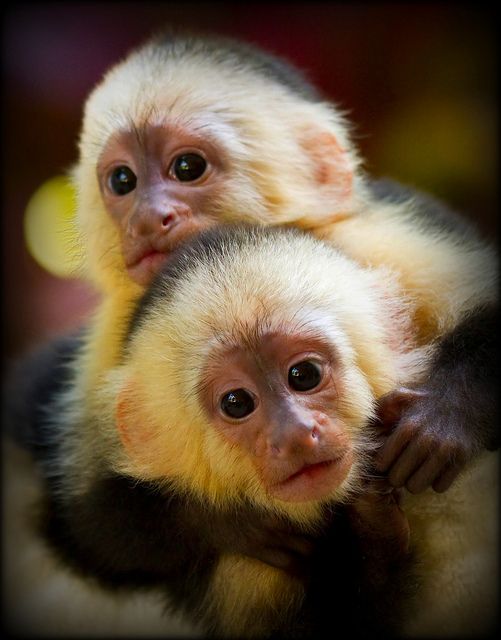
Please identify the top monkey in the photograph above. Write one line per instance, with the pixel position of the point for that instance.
(189, 131)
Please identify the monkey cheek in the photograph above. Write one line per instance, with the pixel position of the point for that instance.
(314, 482)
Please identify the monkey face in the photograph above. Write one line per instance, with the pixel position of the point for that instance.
(279, 402)
(180, 135)
(160, 185)
(242, 381)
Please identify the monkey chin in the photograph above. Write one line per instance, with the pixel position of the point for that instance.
(314, 481)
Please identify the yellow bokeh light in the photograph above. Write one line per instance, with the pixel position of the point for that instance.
(49, 228)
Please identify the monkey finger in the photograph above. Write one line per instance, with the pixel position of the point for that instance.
(411, 458)
(393, 447)
(392, 405)
(425, 476)
(375, 505)
(444, 481)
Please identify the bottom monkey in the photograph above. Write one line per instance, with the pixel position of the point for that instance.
(243, 390)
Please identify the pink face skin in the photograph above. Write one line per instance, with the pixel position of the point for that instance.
(287, 423)
(159, 185)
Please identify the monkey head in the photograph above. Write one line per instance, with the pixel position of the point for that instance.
(189, 132)
(240, 381)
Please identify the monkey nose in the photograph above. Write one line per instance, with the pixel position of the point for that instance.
(167, 221)
(292, 439)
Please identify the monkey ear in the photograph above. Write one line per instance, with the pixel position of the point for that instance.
(333, 164)
(132, 429)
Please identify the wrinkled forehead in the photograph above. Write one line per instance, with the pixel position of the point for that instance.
(151, 90)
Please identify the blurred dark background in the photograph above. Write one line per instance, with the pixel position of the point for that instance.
(418, 79)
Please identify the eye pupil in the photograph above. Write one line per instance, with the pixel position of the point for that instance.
(123, 180)
(304, 376)
(237, 403)
(189, 167)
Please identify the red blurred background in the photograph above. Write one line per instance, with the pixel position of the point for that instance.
(419, 81)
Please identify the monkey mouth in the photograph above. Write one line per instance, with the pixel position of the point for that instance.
(314, 481)
(144, 267)
(311, 470)
(145, 262)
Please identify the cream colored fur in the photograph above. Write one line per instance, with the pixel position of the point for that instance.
(456, 537)
(150, 87)
(444, 278)
(271, 180)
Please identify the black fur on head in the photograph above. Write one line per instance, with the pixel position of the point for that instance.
(226, 50)
(205, 247)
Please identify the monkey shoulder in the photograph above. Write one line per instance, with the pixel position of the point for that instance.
(428, 210)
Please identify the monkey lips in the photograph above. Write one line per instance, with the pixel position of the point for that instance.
(145, 259)
(314, 481)
(147, 266)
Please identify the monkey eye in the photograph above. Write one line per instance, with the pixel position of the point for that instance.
(189, 167)
(122, 181)
(304, 376)
(237, 404)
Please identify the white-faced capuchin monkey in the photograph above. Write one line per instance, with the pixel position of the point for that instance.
(242, 389)
(188, 132)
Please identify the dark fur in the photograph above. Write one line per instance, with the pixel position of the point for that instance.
(464, 377)
(32, 384)
(431, 212)
(127, 535)
(241, 54)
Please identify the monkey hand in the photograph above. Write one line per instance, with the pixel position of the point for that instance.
(381, 529)
(376, 517)
(428, 438)
(263, 536)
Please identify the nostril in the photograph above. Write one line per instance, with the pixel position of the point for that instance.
(167, 220)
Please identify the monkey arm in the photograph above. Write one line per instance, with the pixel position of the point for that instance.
(33, 382)
(362, 566)
(250, 531)
(381, 529)
(449, 274)
(438, 427)
(382, 547)
(128, 533)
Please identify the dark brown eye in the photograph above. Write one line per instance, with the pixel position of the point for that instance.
(122, 181)
(304, 376)
(237, 403)
(189, 167)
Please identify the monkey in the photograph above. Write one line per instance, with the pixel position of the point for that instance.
(213, 110)
(240, 388)
(188, 131)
